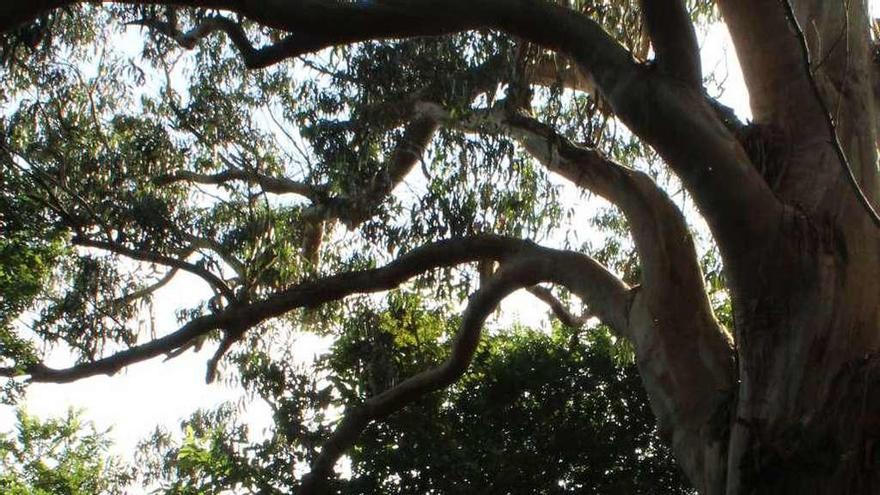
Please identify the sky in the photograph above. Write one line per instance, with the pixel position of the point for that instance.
(132, 403)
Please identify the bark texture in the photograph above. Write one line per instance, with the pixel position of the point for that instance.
(807, 317)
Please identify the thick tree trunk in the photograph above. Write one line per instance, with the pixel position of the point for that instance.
(807, 416)
(808, 413)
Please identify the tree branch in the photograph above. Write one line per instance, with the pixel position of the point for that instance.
(553, 70)
(658, 228)
(681, 349)
(595, 285)
(559, 310)
(148, 290)
(210, 244)
(274, 185)
(357, 208)
(583, 276)
(674, 38)
(655, 106)
(254, 58)
(150, 257)
(510, 277)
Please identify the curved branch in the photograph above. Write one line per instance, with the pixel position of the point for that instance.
(150, 257)
(674, 38)
(609, 295)
(274, 185)
(509, 278)
(658, 228)
(557, 307)
(148, 290)
(685, 357)
(523, 270)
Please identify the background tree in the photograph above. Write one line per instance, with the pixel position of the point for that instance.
(63, 455)
(147, 166)
(536, 414)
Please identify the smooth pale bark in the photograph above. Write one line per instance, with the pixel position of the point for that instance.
(684, 356)
(807, 316)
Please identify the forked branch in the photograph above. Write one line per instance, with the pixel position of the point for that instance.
(603, 289)
(523, 270)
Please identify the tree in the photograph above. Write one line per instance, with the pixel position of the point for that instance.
(565, 417)
(64, 455)
(179, 177)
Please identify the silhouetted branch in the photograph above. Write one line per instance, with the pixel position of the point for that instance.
(274, 185)
(254, 58)
(584, 277)
(522, 270)
(557, 307)
(148, 290)
(160, 259)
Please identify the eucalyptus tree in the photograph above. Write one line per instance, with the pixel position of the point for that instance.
(307, 151)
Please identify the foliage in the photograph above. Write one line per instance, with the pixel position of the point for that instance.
(59, 456)
(535, 407)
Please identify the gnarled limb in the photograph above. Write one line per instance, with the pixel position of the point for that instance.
(597, 286)
(684, 355)
(311, 294)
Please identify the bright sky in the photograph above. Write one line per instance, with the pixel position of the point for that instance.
(154, 393)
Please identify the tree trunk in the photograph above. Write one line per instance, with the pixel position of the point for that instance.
(807, 417)
(807, 411)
